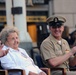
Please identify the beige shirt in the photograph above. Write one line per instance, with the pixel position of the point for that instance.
(50, 48)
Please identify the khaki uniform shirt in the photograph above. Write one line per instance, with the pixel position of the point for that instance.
(50, 48)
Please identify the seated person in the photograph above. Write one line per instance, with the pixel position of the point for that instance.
(55, 50)
(16, 58)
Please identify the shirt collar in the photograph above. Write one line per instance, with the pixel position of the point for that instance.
(11, 49)
(53, 39)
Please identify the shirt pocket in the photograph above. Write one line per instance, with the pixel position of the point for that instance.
(58, 53)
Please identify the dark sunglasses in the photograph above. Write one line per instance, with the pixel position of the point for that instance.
(57, 26)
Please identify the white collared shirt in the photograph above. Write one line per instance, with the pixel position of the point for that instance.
(18, 59)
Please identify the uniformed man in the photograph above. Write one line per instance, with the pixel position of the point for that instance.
(55, 51)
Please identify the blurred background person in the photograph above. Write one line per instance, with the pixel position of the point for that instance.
(73, 39)
(65, 34)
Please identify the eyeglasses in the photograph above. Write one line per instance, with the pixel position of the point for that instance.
(57, 26)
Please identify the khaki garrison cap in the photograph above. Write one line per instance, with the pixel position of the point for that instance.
(56, 21)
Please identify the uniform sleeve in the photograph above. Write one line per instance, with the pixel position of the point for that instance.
(47, 50)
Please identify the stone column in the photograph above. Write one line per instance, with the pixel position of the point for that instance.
(50, 8)
(20, 21)
(9, 17)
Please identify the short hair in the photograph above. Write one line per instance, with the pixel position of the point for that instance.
(6, 31)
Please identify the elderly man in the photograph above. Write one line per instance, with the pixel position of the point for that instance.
(55, 51)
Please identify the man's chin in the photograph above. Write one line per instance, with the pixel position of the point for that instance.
(57, 36)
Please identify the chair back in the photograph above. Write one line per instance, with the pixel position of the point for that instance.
(39, 61)
(0, 66)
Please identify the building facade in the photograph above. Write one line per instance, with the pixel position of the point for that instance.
(37, 12)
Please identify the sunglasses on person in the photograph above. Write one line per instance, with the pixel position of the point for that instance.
(56, 26)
